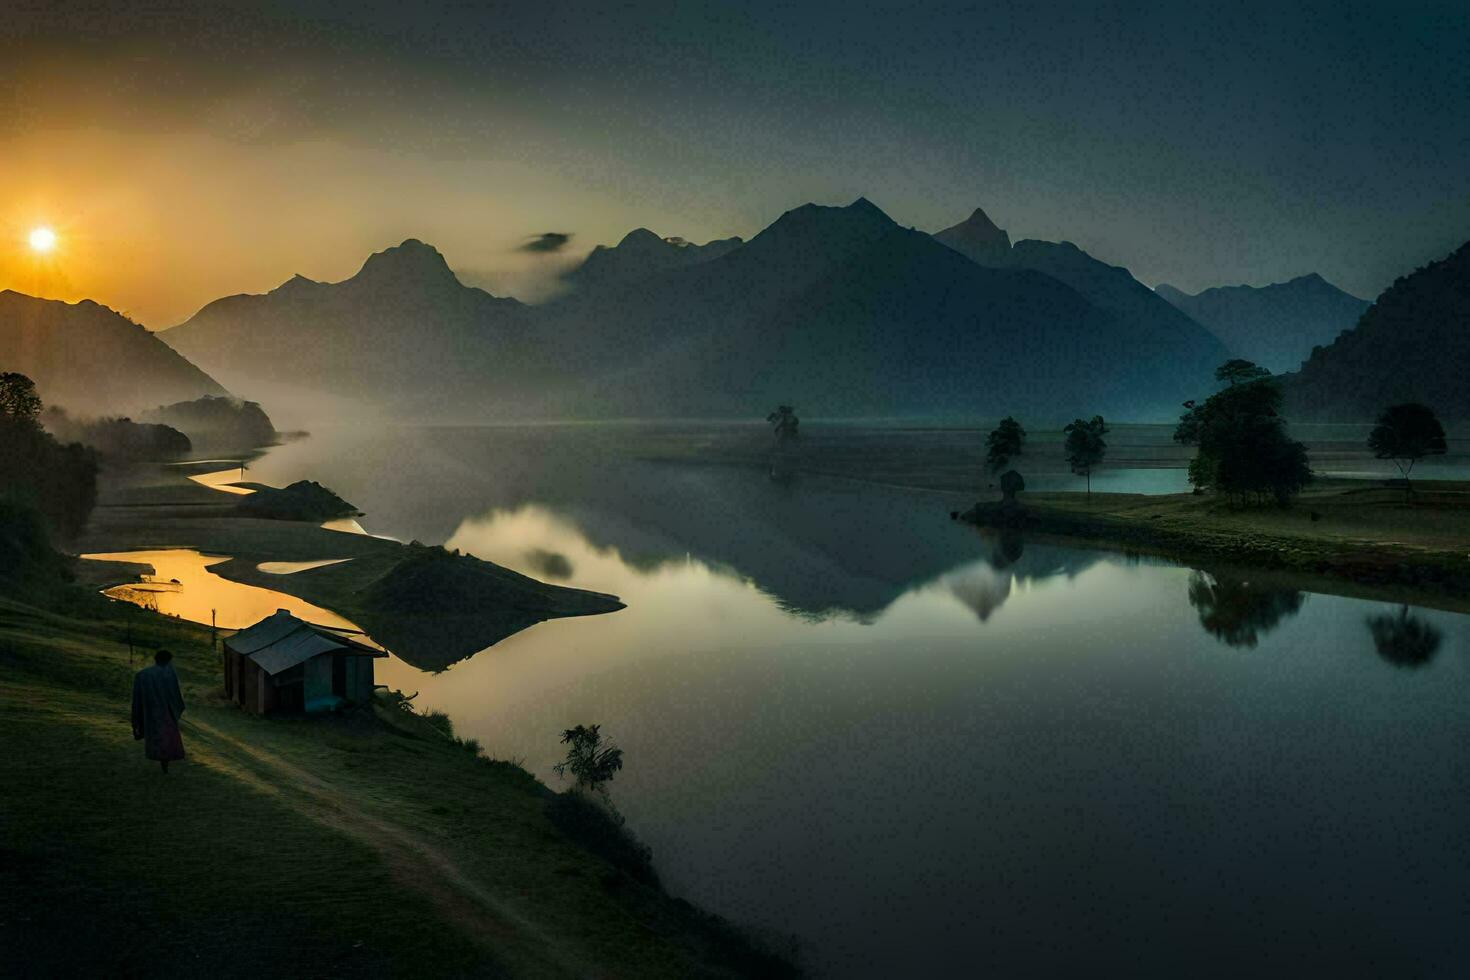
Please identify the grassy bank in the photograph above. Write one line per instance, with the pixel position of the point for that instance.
(370, 845)
(1347, 536)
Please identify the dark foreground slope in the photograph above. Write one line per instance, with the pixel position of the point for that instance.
(93, 361)
(372, 845)
(1411, 345)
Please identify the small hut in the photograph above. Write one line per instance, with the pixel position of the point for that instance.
(285, 664)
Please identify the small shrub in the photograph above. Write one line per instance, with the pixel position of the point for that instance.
(596, 826)
(440, 721)
(591, 760)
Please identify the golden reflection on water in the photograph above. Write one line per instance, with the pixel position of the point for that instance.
(691, 628)
(200, 593)
(292, 567)
(222, 480)
(349, 525)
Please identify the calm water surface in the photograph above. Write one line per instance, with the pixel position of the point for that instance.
(927, 752)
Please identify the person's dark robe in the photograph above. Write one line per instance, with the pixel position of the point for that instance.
(157, 706)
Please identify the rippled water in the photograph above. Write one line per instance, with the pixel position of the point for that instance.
(924, 751)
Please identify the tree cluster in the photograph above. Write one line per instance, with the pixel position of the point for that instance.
(120, 438)
(36, 471)
(1004, 443)
(1244, 452)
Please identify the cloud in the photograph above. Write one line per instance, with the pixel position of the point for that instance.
(547, 241)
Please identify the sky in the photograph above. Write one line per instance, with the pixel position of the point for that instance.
(183, 152)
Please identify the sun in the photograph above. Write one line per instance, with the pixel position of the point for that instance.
(42, 239)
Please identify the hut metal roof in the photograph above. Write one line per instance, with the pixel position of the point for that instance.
(281, 641)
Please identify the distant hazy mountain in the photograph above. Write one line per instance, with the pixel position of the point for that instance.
(641, 254)
(1276, 326)
(403, 332)
(837, 310)
(842, 312)
(1412, 344)
(91, 360)
(1111, 288)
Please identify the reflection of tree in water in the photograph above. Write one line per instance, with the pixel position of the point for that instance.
(1237, 611)
(1404, 640)
(1008, 550)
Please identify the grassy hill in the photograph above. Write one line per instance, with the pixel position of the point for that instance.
(371, 845)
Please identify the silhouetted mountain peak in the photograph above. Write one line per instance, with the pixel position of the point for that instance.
(296, 284)
(90, 358)
(405, 264)
(640, 239)
(643, 253)
(814, 228)
(978, 238)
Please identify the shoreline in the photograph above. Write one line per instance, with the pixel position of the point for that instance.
(1363, 542)
(460, 604)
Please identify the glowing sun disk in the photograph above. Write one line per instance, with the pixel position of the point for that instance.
(42, 239)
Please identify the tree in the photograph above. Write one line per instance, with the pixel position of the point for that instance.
(784, 424)
(1404, 640)
(58, 481)
(1085, 446)
(1006, 440)
(590, 760)
(1406, 434)
(18, 399)
(1244, 450)
(1237, 611)
(1240, 371)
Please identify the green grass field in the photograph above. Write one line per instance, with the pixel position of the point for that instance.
(368, 845)
(1350, 537)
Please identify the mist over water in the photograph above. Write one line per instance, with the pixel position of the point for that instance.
(927, 751)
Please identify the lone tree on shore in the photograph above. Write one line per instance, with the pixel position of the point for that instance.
(1406, 434)
(1085, 447)
(784, 424)
(1244, 450)
(1006, 441)
(590, 759)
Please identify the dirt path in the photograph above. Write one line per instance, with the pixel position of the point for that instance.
(415, 861)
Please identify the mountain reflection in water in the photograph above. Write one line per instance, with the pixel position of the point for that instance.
(926, 751)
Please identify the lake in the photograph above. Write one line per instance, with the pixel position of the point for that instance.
(922, 750)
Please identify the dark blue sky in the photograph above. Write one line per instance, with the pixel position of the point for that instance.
(1196, 144)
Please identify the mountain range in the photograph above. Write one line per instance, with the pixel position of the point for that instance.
(91, 360)
(641, 254)
(836, 309)
(1276, 326)
(403, 332)
(1111, 288)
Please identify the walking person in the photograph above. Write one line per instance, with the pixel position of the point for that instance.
(157, 706)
